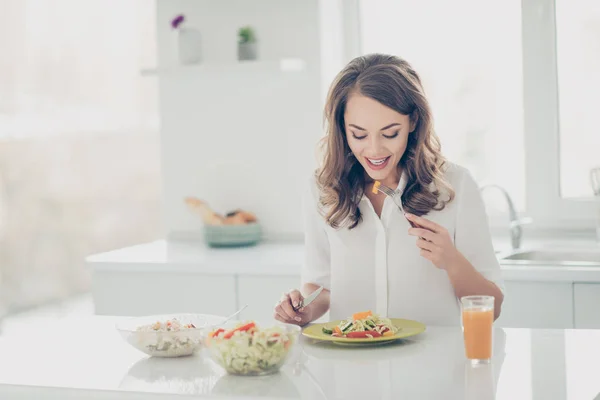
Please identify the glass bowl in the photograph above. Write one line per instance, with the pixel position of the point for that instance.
(252, 348)
(152, 336)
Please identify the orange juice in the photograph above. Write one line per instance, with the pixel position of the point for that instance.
(477, 325)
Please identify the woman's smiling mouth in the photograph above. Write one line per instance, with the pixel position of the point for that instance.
(377, 163)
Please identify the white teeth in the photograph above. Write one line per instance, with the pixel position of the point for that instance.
(377, 162)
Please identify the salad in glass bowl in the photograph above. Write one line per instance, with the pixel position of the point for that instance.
(248, 348)
(173, 335)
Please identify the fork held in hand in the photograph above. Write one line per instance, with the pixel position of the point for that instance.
(396, 198)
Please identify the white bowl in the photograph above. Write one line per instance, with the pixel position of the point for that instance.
(180, 343)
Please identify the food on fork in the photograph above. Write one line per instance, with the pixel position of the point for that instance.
(376, 187)
(363, 325)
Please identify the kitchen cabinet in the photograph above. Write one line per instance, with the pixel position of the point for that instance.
(526, 304)
(537, 305)
(135, 294)
(587, 305)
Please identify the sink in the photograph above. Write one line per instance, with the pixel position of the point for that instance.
(571, 257)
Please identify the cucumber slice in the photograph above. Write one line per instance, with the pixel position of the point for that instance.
(327, 331)
(346, 327)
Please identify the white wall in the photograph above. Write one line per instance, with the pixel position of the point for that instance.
(244, 136)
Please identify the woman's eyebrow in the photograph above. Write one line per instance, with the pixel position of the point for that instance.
(382, 129)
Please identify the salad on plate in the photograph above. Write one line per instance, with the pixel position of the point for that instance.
(363, 325)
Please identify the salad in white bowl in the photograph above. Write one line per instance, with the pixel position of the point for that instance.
(173, 335)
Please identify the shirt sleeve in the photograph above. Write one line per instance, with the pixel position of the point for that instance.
(472, 236)
(316, 268)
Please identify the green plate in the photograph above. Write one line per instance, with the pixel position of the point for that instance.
(406, 328)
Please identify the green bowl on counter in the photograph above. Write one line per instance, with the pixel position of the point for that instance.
(233, 235)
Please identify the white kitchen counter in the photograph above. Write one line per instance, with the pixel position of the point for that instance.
(195, 257)
(186, 276)
(285, 259)
(87, 359)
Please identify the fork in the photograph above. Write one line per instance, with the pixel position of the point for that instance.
(232, 315)
(396, 198)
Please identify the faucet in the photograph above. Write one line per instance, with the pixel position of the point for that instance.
(516, 232)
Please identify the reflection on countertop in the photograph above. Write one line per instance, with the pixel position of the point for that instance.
(527, 363)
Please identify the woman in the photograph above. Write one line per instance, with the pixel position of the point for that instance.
(359, 246)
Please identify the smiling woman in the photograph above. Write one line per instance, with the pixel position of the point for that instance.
(379, 120)
(358, 244)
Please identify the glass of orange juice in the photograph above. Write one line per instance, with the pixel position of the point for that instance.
(477, 321)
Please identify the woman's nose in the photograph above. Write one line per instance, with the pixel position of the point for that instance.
(376, 144)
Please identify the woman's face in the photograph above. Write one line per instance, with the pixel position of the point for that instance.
(377, 136)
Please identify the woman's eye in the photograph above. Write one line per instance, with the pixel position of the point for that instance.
(391, 136)
(358, 137)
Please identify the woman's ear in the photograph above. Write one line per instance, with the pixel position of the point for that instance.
(414, 118)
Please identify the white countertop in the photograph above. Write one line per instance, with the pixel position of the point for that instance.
(86, 358)
(195, 256)
(285, 259)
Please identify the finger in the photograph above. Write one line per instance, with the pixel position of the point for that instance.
(286, 308)
(289, 310)
(424, 233)
(296, 298)
(425, 223)
(280, 318)
(425, 245)
(426, 254)
(281, 311)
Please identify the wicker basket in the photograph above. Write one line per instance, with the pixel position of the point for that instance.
(232, 235)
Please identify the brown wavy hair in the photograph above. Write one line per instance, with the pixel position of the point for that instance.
(341, 179)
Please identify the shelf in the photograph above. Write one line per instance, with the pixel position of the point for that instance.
(282, 65)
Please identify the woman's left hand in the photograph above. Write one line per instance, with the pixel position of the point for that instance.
(434, 241)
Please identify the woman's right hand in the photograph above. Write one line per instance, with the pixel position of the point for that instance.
(286, 309)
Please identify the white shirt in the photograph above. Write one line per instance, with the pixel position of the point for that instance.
(377, 266)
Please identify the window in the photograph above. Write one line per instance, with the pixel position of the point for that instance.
(514, 89)
(578, 59)
(71, 66)
(79, 157)
(468, 54)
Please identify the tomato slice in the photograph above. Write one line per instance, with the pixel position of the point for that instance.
(242, 328)
(246, 327)
(363, 334)
(215, 333)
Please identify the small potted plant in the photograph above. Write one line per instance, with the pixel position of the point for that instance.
(188, 43)
(247, 47)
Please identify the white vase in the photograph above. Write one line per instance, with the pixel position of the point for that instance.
(189, 46)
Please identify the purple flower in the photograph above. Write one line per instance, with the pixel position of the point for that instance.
(177, 21)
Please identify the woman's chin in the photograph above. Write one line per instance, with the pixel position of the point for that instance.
(379, 175)
(384, 174)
